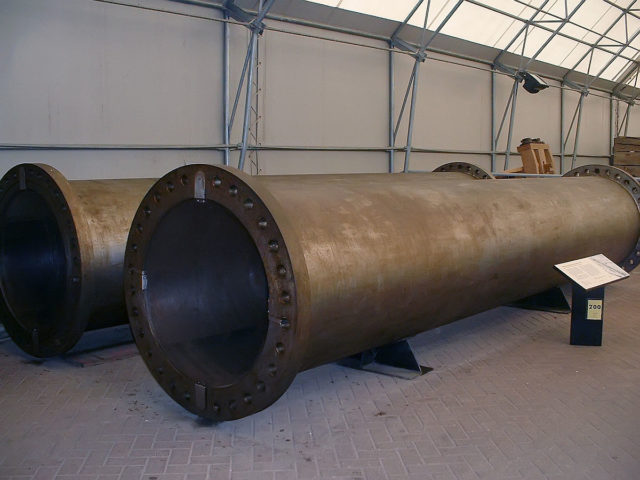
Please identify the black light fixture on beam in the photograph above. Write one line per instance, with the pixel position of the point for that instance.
(533, 83)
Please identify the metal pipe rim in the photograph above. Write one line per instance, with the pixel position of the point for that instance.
(275, 363)
(626, 181)
(46, 282)
(467, 168)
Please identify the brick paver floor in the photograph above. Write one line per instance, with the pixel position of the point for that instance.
(509, 399)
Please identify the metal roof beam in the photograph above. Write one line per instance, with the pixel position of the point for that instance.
(525, 28)
(542, 27)
(553, 35)
(602, 36)
(406, 20)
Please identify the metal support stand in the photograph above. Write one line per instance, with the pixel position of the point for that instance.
(395, 359)
(587, 316)
(552, 300)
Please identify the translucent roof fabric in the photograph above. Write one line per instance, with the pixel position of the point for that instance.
(598, 37)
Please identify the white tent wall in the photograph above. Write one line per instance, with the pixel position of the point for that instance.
(634, 120)
(79, 72)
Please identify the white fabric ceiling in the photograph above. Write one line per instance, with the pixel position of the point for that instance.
(475, 21)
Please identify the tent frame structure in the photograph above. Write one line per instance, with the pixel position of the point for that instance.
(252, 13)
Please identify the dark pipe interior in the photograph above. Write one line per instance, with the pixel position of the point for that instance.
(32, 262)
(207, 292)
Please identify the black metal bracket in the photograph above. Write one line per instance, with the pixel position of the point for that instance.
(552, 300)
(417, 53)
(395, 359)
(241, 15)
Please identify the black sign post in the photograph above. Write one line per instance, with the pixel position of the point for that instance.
(587, 317)
(588, 278)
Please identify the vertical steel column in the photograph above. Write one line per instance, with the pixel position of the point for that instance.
(412, 111)
(512, 118)
(611, 129)
(626, 123)
(251, 55)
(225, 86)
(247, 102)
(420, 57)
(577, 137)
(562, 127)
(493, 119)
(392, 137)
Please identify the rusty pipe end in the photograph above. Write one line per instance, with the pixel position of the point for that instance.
(214, 291)
(626, 181)
(41, 275)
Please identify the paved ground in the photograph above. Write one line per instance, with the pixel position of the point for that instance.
(509, 399)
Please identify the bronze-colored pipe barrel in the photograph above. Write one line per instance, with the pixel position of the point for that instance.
(61, 252)
(236, 283)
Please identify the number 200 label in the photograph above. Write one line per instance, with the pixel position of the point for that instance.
(594, 309)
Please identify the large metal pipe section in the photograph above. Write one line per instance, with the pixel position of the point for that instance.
(61, 252)
(236, 283)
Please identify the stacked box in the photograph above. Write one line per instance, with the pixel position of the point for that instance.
(626, 154)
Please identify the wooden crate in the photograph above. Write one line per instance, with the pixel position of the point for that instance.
(626, 154)
(536, 158)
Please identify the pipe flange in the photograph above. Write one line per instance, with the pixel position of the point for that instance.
(626, 181)
(464, 167)
(46, 197)
(277, 362)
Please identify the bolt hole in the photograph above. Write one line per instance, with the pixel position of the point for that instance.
(262, 223)
(170, 186)
(248, 203)
(233, 190)
(184, 180)
(285, 297)
(217, 182)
